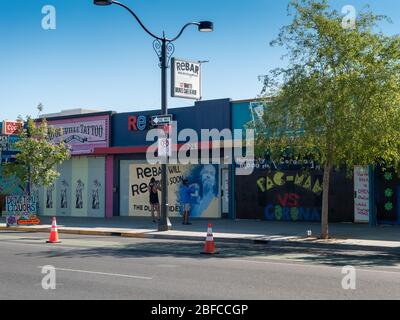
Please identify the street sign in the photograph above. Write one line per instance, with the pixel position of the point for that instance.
(161, 120)
(164, 147)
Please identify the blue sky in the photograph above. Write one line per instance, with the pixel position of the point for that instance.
(99, 58)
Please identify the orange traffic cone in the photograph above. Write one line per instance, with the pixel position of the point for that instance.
(209, 246)
(54, 232)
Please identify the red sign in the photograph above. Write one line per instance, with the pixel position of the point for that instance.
(28, 222)
(137, 123)
(11, 127)
(167, 129)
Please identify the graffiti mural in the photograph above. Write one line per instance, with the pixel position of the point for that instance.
(203, 180)
(291, 196)
(284, 163)
(49, 196)
(78, 192)
(387, 196)
(288, 188)
(96, 194)
(9, 185)
(64, 194)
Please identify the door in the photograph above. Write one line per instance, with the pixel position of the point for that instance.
(225, 192)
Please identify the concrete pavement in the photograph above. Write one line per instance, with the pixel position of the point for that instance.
(226, 231)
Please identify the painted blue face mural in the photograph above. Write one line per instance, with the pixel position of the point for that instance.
(203, 184)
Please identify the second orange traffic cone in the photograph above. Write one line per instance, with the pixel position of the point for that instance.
(54, 232)
(209, 246)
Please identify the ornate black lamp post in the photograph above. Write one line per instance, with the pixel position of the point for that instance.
(164, 48)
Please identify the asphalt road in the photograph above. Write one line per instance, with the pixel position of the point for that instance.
(123, 268)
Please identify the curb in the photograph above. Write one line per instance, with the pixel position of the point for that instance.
(199, 238)
(63, 231)
(123, 234)
(78, 232)
(143, 235)
(25, 229)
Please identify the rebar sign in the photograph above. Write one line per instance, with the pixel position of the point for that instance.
(186, 79)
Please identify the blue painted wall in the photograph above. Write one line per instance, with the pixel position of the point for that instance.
(203, 115)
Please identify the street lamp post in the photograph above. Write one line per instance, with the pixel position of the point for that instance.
(164, 48)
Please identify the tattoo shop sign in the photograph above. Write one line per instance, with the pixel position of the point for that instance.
(21, 210)
(186, 79)
(82, 134)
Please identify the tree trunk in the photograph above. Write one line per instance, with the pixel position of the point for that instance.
(325, 201)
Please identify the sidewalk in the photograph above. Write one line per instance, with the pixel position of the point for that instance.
(248, 231)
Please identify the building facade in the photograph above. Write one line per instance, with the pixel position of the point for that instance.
(108, 173)
(131, 172)
(80, 190)
(8, 152)
(286, 190)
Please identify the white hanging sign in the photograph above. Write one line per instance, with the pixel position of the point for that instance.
(186, 79)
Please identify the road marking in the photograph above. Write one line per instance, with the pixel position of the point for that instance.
(103, 273)
(316, 266)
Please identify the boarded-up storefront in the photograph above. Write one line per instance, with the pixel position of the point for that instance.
(135, 177)
(387, 196)
(292, 195)
(78, 192)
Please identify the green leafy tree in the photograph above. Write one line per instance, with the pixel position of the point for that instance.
(36, 161)
(338, 99)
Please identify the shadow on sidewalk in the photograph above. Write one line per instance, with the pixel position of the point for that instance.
(178, 249)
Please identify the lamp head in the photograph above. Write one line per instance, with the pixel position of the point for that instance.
(102, 2)
(206, 26)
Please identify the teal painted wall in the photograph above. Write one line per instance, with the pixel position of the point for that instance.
(241, 114)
